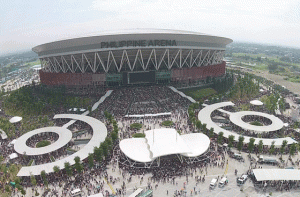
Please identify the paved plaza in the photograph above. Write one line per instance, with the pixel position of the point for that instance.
(181, 183)
(112, 178)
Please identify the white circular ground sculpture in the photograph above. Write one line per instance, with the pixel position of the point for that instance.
(65, 135)
(236, 118)
(99, 135)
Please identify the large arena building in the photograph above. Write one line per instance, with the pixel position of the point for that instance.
(132, 57)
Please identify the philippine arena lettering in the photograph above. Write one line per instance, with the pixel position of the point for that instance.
(138, 43)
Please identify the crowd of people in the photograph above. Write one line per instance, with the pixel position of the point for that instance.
(132, 101)
(143, 100)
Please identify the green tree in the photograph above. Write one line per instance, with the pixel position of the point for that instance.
(211, 132)
(283, 145)
(293, 149)
(272, 148)
(91, 160)
(23, 192)
(114, 136)
(240, 143)
(43, 174)
(56, 169)
(33, 180)
(251, 145)
(104, 147)
(7, 188)
(281, 104)
(220, 138)
(78, 166)
(260, 146)
(109, 143)
(17, 180)
(68, 169)
(204, 128)
(230, 141)
(198, 124)
(98, 153)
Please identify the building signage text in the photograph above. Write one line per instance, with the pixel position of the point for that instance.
(138, 43)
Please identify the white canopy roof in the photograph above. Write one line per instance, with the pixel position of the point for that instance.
(136, 149)
(256, 102)
(161, 142)
(276, 174)
(197, 142)
(15, 119)
(166, 142)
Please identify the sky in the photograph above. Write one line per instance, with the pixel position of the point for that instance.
(25, 24)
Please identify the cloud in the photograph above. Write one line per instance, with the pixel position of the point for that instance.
(269, 21)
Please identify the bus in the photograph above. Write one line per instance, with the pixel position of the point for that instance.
(136, 193)
(148, 193)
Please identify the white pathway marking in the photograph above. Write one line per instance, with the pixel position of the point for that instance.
(101, 100)
(182, 94)
(95, 106)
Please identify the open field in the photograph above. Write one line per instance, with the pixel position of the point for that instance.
(294, 87)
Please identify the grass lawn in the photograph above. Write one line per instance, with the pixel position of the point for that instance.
(200, 94)
(256, 123)
(136, 126)
(167, 123)
(43, 143)
(138, 135)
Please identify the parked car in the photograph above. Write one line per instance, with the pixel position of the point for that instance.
(213, 183)
(223, 182)
(238, 157)
(242, 179)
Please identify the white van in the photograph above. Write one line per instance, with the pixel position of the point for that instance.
(76, 192)
(223, 181)
(213, 183)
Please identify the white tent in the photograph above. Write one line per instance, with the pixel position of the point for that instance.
(13, 156)
(276, 174)
(256, 102)
(3, 134)
(15, 119)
